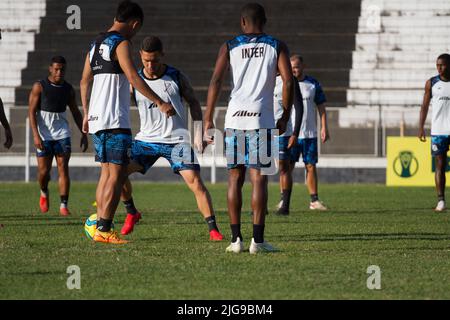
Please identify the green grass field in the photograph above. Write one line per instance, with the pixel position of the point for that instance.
(324, 255)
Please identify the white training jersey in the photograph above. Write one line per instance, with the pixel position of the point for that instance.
(253, 65)
(155, 126)
(109, 105)
(51, 116)
(440, 105)
(313, 96)
(278, 107)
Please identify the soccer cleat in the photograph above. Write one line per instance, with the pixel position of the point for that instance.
(236, 247)
(64, 211)
(317, 205)
(129, 223)
(282, 212)
(215, 235)
(261, 247)
(280, 204)
(440, 206)
(108, 237)
(43, 204)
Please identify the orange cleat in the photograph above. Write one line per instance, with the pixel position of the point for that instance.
(43, 204)
(108, 237)
(129, 223)
(64, 211)
(215, 235)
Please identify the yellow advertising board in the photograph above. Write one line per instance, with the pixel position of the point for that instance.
(409, 162)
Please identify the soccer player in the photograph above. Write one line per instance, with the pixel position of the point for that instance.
(48, 102)
(437, 93)
(254, 59)
(288, 140)
(110, 67)
(313, 98)
(8, 135)
(160, 136)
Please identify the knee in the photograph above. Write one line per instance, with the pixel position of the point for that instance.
(236, 179)
(284, 168)
(310, 167)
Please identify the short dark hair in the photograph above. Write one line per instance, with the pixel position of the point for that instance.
(151, 44)
(254, 13)
(58, 59)
(128, 10)
(445, 57)
(297, 57)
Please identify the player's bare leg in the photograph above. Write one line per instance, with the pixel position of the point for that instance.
(63, 182)
(195, 183)
(439, 176)
(311, 182)
(260, 196)
(44, 167)
(286, 168)
(133, 215)
(236, 178)
(113, 180)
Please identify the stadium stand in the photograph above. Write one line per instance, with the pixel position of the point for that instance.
(192, 32)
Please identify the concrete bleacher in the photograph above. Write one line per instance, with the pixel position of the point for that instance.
(395, 54)
(192, 32)
(19, 23)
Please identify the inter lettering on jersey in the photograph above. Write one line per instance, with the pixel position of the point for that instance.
(51, 115)
(440, 106)
(110, 96)
(313, 96)
(254, 65)
(155, 126)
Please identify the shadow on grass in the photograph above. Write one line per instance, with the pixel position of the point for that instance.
(367, 237)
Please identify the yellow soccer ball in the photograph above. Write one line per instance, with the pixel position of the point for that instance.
(90, 226)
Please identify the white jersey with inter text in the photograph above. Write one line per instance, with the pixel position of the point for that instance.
(155, 126)
(109, 104)
(254, 65)
(440, 104)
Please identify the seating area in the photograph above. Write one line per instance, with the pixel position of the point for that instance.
(192, 32)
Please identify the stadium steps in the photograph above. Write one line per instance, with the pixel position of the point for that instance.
(20, 20)
(192, 32)
(395, 54)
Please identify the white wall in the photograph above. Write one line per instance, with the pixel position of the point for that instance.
(397, 44)
(19, 21)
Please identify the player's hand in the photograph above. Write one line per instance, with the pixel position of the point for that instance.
(293, 140)
(281, 125)
(207, 126)
(421, 135)
(38, 143)
(9, 140)
(84, 142)
(324, 135)
(199, 144)
(168, 109)
(85, 127)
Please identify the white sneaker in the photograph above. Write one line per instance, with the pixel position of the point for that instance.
(236, 247)
(261, 247)
(440, 206)
(280, 204)
(317, 205)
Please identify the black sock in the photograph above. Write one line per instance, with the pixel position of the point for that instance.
(314, 197)
(441, 197)
(64, 200)
(235, 232)
(129, 205)
(286, 198)
(104, 225)
(211, 221)
(258, 233)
